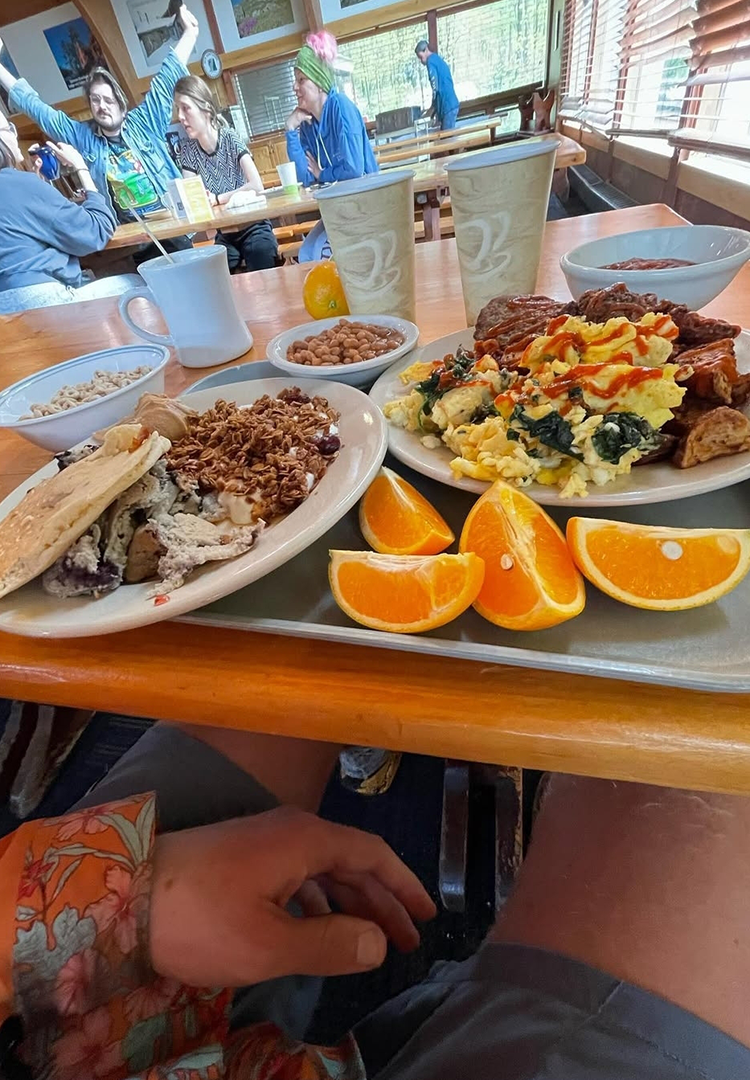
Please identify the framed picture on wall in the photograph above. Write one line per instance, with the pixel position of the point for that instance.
(7, 61)
(250, 22)
(151, 27)
(76, 51)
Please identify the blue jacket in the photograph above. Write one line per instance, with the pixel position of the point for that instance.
(42, 233)
(143, 130)
(338, 141)
(444, 98)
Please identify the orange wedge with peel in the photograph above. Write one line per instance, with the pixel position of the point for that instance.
(650, 566)
(396, 519)
(405, 594)
(530, 580)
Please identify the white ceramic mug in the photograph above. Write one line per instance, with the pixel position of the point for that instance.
(194, 294)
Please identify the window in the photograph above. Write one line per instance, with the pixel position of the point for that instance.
(592, 44)
(495, 47)
(654, 65)
(625, 63)
(715, 109)
(385, 72)
(266, 95)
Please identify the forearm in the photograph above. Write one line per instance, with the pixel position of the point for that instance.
(297, 154)
(185, 46)
(85, 180)
(7, 81)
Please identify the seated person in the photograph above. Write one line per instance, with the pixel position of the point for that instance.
(42, 234)
(213, 152)
(621, 954)
(326, 136)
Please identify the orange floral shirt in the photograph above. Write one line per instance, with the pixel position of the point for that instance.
(74, 965)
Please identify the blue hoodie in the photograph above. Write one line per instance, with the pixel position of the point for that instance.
(338, 142)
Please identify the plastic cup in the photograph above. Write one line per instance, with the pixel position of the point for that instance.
(370, 226)
(499, 199)
(288, 177)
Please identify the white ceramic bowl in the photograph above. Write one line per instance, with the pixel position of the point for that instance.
(718, 253)
(64, 429)
(362, 374)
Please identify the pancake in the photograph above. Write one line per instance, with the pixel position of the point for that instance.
(60, 509)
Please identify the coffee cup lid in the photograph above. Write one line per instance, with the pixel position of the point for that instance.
(499, 155)
(370, 182)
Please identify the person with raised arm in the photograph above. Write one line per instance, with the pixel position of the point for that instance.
(124, 149)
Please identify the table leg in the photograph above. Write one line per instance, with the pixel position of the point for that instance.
(561, 184)
(453, 836)
(431, 218)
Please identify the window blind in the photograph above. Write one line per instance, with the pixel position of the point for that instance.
(715, 114)
(592, 36)
(266, 95)
(625, 63)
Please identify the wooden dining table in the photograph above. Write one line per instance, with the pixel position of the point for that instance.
(429, 178)
(523, 716)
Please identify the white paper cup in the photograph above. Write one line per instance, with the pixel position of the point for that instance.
(499, 200)
(288, 177)
(194, 295)
(370, 225)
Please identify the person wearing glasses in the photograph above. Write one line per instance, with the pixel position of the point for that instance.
(125, 149)
(43, 234)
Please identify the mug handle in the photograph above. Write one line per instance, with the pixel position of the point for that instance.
(125, 300)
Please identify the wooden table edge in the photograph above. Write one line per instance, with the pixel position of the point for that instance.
(479, 712)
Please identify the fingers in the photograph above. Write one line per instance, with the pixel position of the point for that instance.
(326, 945)
(312, 899)
(340, 852)
(366, 898)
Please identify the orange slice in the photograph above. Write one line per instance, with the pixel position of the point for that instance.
(404, 593)
(322, 292)
(530, 580)
(396, 519)
(648, 566)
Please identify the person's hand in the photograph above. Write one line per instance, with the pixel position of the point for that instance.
(219, 897)
(315, 169)
(188, 22)
(224, 198)
(296, 117)
(68, 155)
(36, 162)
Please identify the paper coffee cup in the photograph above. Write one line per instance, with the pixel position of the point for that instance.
(499, 200)
(288, 177)
(370, 226)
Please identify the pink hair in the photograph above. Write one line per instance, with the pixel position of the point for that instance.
(323, 45)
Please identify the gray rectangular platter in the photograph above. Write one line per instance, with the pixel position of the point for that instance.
(704, 649)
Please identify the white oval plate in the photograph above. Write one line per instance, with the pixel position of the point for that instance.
(660, 482)
(277, 347)
(31, 612)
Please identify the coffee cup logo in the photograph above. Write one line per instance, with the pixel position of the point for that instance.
(483, 241)
(370, 263)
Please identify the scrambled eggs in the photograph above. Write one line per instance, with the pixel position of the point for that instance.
(588, 403)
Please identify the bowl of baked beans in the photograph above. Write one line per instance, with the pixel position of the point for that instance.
(354, 350)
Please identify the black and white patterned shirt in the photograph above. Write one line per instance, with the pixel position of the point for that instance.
(220, 171)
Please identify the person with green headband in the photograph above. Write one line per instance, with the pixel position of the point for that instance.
(325, 135)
